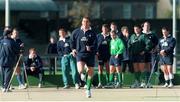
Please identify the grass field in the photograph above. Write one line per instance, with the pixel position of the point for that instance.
(56, 80)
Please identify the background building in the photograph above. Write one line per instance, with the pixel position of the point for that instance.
(44, 17)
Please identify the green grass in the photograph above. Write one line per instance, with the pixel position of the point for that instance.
(56, 80)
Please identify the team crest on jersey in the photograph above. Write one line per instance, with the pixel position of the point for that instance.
(4, 43)
(66, 45)
(89, 35)
(84, 39)
(164, 42)
(104, 42)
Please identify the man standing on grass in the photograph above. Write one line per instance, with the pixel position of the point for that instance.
(117, 49)
(103, 53)
(9, 49)
(68, 61)
(138, 45)
(166, 49)
(84, 45)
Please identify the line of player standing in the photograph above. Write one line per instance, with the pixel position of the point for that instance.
(114, 50)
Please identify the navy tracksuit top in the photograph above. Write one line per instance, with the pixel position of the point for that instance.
(35, 62)
(153, 38)
(167, 44)
(52, 48)
(19, 42)
(126, 51)
(64, 48)
(79, 41)
(8, 52)
(103, 45)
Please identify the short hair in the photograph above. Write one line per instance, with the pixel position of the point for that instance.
(113, 31)
(15, 29)
(32, 49)
(144, 23)
(113, 23)
(7, 32)
(86, 17)
(124, 27)
(165, 28)
(62, 29)
(105, 25)
(137, 25)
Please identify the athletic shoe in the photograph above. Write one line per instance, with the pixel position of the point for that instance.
(142, 85)
(66, 87)
(85, 86)
(165, 85)
(149, 85)
(11, 88)
(110, 85)
(6, 90)
(135, 85)
(118, 85)
(99, 86)
(88, 93)
(170, 85)
(77, 86)
(39, 85)
(26, 85)
(3, 90)
(22, 86)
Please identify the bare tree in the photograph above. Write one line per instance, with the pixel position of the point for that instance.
(79, 9)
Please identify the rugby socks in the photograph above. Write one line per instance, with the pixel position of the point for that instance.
(119, 77)
(89, 83)
(137, 76)
(40, 78)
(100, 77)
(147, 76)
(166, 77)
(111, 77)
(107, 76)
(143, 76)
(171, 77)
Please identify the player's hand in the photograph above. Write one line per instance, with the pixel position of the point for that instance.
(162, 53)
(74, 52)
(32, 69)
(116, 56)
(88, 48)
(22, 45)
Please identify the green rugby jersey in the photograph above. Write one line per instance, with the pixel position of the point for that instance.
(116, 46)
(140, 43)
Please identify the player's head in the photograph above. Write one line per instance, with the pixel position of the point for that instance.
(165, 31)
(85, 22)
(105, 28)
(7, 32)
(146, 26)
(15, 33)
(113, 34)
(62, 32)
(113, 26)
(137, 29)
(32, 52)
(125, 30)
